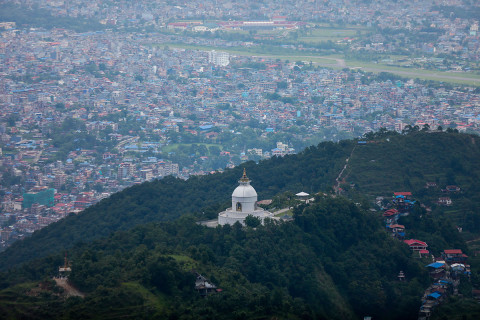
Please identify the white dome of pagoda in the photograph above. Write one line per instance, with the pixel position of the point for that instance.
(245, 191)
(244, 203)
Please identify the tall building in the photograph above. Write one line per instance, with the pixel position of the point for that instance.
(60, 180)
(146, 174)
(168, 168)
(219, 58)
(244, 204)
(125, 170)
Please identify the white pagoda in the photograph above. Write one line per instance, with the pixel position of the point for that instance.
(244, 203)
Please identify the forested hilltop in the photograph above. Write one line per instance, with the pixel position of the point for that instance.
(334, 260)
(312, 170)
(388, 162)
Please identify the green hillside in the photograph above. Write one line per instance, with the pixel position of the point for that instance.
(334, 262)
(389, 162)
(312, 170)
(133, 254)
(408, 162)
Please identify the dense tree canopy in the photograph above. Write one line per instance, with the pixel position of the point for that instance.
(334, 261)
(166, 199)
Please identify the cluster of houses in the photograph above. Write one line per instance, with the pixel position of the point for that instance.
(445, 270)
(449, 32)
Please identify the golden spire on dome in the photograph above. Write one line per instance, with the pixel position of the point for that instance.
(244, 177)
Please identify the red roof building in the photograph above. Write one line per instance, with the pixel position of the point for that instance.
(390, 212)
(454, 256)
(416, 245)
(405, 194)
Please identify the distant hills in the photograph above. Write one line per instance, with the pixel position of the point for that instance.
(133, 253)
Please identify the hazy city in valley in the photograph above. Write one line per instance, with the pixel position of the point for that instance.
(226, 159)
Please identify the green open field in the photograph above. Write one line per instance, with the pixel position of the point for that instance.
(332, 34)
(254, 53)
(445, 76)
(337, 62)
(321, 33)
(175, 146)
(316, 34)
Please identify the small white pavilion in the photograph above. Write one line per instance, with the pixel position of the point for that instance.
(244, 203)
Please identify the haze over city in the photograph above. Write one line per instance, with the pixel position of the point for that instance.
(98, 97)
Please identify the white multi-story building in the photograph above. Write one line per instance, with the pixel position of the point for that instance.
(219, 58)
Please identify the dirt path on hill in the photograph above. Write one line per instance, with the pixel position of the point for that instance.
(473, 240)
(336, 187)
(69, 290)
